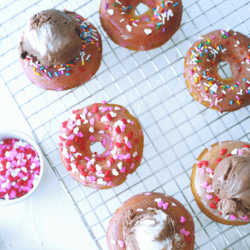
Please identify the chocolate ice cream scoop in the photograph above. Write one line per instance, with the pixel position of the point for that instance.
(52, 36)
(151, 229)
(231, 183)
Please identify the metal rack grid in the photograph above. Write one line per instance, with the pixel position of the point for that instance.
(151, 85)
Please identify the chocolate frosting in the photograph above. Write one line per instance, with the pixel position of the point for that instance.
(231, 183)
(52, 36)
(151, 228)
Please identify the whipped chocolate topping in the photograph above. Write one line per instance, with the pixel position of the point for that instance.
(151, 229)
(231, 183)
(52, 36)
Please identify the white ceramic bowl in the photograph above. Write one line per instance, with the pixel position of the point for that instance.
(22, 136)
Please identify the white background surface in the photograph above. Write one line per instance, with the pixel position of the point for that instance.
(47, 220)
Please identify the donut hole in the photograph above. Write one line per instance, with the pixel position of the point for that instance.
(224, 70)
(97, 147)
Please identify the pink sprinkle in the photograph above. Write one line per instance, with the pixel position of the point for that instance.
(209, 196)
(209, 170)
(89, 114)
(245, 218)
(160, 203)
(147, 194)
(182, 219)
(104, 109)
(232, 217)
(239, 152)
(132, 166)
(85, 111)
(110, 183)
(209, 188)
(92, 121)
(109, 163)
(92, 138)
(104, 142)
(98, 172)
(213, 36)
(204, 184)
(123, 127)
(103, 102)
(90, 178)
(71, 137)
(123, 170)
(79, 134)
(165, 206)
(72, 149)
(183, 231)
(202, 170)
(127, 156)
(132, 122)
(47, 77)
(107, 153)
(129, 144)
(121, 243)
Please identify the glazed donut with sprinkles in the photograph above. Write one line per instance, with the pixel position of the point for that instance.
(140, 32)
(60, 50)
(120, 134)
(201, 70)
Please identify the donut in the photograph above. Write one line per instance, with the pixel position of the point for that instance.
(220, 182)
(144, 32)
(67, 59)
(151, 221)
(120, 134)
(201, 70)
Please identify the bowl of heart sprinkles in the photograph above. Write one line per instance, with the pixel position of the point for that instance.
(21, 167)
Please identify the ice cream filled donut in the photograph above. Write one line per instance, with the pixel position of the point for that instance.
(120, 134)
(151, 221)
(132, 30)
(220, 182)
(201, 70)
(60, 50)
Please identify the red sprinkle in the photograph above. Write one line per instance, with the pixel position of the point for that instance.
(187, 238)
(107, 173)
(109, 117)
(98, 116)
(205, 163)
(218, 160)
(69, 168)
(138, 157)
(137, 140)
(111, 159)
(246, 146)
(212, 205)
(119, 145)
(229, 155)
(217, 199)
(126, 148)
(118, 130)
(64, 124)
(68, 143)
(130, 135)
(95, 108)
(223, 151)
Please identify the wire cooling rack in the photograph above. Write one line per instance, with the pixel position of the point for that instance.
(151, 85)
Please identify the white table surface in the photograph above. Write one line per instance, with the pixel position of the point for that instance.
(47, 220)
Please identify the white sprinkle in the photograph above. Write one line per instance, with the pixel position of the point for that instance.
(119, 165)
(111, 12)
(91, 130)
(135, 154)
(98, 167)
(121, 20)
(139, 210)
(76, 130)
(78, 122)
(101, 132)
(158, 200)
(234, 152)
(118, 2)
(113, 242)
(147, 31)
(117, 108)
(129, 28)
(113, 114)
(114, 172)
(104, 119)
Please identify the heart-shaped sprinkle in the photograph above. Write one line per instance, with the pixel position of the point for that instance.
(234, 152)
(158, 200)
(111, 12)
(114, 171)
(147, 31)
(204, 184)
(160, 203)
(218, 160)
(121, 243)
(182, 219)
(165, 206)
(232, 217)
(209, 196)
(212, 205)
(223, 151)
(123, 170)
